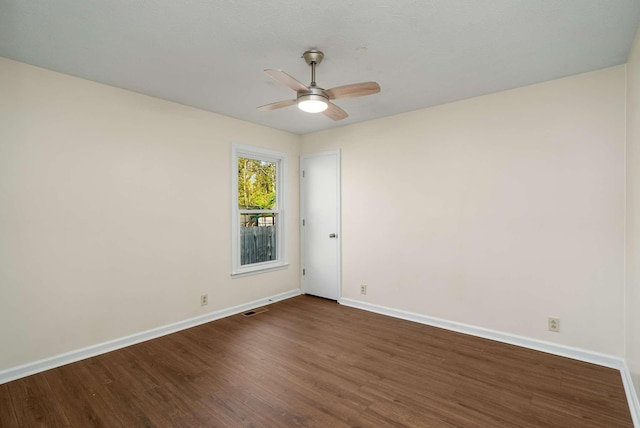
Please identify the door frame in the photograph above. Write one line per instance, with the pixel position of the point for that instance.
(303, 237)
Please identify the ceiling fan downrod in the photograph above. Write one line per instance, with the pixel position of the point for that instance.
(313, 74)
(313, 57)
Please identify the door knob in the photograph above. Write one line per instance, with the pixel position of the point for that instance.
(333, 235)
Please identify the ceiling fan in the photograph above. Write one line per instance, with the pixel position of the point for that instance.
(314, 99)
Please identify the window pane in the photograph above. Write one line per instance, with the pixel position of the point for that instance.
(256, 184)
(257, 238)
(259, 181)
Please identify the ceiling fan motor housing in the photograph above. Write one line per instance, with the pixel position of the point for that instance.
(315, 92)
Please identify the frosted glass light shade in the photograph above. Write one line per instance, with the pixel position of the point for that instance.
(312, 103)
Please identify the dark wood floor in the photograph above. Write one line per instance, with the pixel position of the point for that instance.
(311, 362)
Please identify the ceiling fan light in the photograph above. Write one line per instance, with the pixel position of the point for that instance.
(312, 103)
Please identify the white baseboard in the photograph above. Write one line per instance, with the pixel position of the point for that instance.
(632, 397)
(28, 369)
(538, 345)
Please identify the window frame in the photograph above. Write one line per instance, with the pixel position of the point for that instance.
(280, 159)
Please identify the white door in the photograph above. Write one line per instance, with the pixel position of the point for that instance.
(320, 233)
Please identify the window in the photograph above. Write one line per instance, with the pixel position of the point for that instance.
(258, 220)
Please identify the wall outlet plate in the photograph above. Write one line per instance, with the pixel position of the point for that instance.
(554, 324)
(363, 289)
(204, 300)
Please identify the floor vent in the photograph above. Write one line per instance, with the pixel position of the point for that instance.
(253, 312)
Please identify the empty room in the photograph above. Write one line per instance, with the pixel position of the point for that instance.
(327, 214)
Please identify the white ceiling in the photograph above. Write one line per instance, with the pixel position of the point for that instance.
(211, 53)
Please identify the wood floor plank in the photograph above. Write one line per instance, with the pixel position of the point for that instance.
(7, 413)
(34, 404)
(83, 404)
(311, 362)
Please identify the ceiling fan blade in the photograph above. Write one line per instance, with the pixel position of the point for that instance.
(334, 112)
(353, 90)
(279, 104)
(285, 79)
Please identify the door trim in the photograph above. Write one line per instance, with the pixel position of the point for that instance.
(303, 157)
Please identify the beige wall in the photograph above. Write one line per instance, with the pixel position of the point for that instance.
(114, 213)
(632, 351)
(497, 211)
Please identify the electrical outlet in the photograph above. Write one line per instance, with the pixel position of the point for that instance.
(554, 324)
(204, 300)
(363, 289)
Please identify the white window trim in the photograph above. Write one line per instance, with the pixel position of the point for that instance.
(244, 151)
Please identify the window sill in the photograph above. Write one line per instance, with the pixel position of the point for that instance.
(258, 270)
